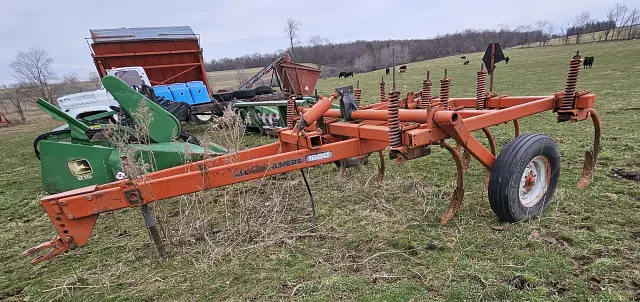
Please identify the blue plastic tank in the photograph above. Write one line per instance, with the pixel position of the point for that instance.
(181, 93)
(199, 93)
(163, 91)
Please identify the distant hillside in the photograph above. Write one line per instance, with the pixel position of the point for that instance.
(361, 56)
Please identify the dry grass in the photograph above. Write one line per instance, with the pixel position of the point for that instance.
(375, 242)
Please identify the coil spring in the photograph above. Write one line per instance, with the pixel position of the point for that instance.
(425, 93)
(480, 90)
(383, 94)
(393, 118)
(572, 83)
(357, 93)
(445, 88)
(320, 123)
(291, 110)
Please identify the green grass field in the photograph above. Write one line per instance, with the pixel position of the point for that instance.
(375, 242)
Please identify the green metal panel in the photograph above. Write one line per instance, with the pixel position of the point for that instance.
(164, 127)
(66, 166)
(79, 129)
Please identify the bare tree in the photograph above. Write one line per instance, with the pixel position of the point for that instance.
(542, 26)
(93, 77)
(16, 95)
(33, 67)
(633, 17)
(620, 12)
(317, 54)
(611, 17)
(580, 24)
(70, 83)
(551, 28)
(291, 29)
(564, 33)
(363, 63)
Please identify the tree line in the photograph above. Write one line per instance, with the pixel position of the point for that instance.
(363, 56)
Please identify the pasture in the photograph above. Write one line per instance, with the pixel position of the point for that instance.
(375, 242)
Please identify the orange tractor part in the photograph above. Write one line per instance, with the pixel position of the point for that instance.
(404, 127)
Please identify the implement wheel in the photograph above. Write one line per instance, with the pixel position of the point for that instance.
(524, 177)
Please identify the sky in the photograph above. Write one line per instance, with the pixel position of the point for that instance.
(235, 28)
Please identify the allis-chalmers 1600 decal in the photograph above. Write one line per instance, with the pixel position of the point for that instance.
(287, 163)
(263, 167)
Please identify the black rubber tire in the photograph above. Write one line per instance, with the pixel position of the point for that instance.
(201, 119)
(504, 183)
(223, 96)
(244, 93)
(260, 90)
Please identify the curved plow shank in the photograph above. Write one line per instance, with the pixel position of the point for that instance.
(380, 176)
(492, 145)
(516, 126)
(458, 193)
(466, 161)
(591, 157)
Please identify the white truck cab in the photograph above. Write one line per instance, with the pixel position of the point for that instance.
(79, 105)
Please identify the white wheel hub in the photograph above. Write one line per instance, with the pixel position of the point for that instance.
(534, 181)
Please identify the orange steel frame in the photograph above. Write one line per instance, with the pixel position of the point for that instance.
(74, 213)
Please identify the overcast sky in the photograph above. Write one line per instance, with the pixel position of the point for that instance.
(234, 28)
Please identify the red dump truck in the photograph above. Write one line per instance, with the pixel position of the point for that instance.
(167, 54)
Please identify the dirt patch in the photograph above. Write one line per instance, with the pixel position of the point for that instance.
(629, 175)
(555, 240)
(521, 282)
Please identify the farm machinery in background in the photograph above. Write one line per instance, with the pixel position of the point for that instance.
(166, 65)
(521, 180)
(88, 151)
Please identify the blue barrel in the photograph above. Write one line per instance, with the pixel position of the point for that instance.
(163, 91)
(198, 92)
(181, 93)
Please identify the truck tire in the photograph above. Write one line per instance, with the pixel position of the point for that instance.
(260, 90)
(244, 93)
(223, 96)
(202, 118)
(524, 177)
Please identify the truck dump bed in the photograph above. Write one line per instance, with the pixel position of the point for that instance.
(167, 54)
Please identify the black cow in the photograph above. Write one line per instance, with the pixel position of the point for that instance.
(466, 62)
(506, 60)
(463, 57)
(588, 62)
(402, 69)
(345, 74)
(387, 71)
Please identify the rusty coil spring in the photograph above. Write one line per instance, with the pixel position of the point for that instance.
(445, 88)
(357, 93)
(480, 90)
(572, 83)
(425, 93)
(393, 118)
(291, 111)
(383, 94)
(320, 123)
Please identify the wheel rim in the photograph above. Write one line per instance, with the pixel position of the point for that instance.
(203, 117)
(534, 181)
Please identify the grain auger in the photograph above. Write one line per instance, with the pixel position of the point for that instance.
(523, 175)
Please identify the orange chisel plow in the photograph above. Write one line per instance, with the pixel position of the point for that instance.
(404, 126)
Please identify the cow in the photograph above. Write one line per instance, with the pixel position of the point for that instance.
(506, 60)
(466, 62)
(463, 57)
(387, 70)
(342, 75)
(402, 69)
(588, 62)
(348, 74)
